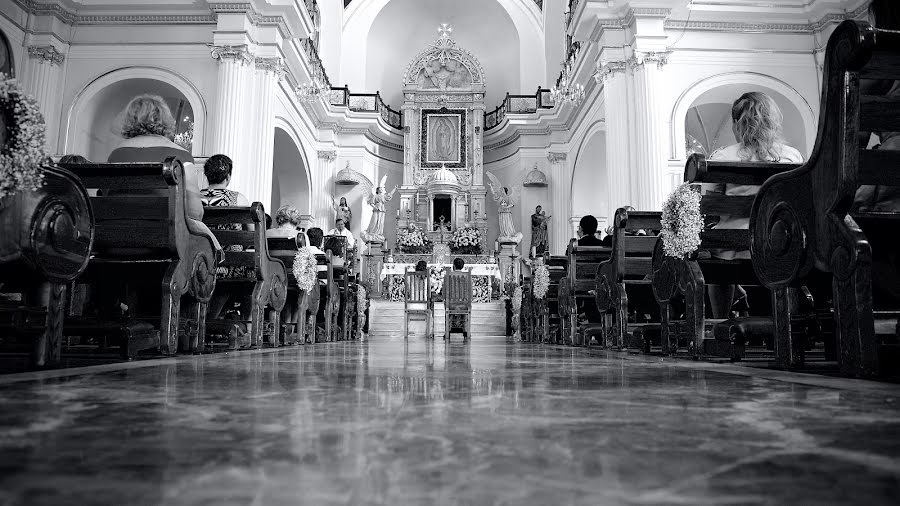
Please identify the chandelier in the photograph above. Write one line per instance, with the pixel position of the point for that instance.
(317, 87)
(565, 90)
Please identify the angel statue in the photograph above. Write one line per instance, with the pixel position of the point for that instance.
(377, 198)
(506, 200)
(342, 211)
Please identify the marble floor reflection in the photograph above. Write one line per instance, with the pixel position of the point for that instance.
(424, 422)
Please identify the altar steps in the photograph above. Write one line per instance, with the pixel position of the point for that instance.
(488, 319)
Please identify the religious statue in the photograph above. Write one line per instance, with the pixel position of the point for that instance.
(342, 211)
(539, 231)
(377, 199)
(505, 200)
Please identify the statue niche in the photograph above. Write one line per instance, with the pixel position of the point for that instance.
(446, 75)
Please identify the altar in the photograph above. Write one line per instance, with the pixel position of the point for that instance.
(486, 279)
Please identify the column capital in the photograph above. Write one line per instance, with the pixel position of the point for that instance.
(46, 54)
(274, 65)
(607, 69)
(556, 157)
(641, 58)
(329, 155)
(226, 52)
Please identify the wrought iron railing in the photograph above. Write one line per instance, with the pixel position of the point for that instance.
(518, 104)
(570, 14)
(569, 63)
(313, 9)
(365, 102)
(309, 48)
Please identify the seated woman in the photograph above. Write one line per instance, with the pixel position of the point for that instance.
(287, 223)
(756, 124)
(217, 170)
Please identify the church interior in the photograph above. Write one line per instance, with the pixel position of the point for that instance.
(449, 252)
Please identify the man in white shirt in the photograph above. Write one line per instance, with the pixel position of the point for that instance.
(341, 229)
(315, 240)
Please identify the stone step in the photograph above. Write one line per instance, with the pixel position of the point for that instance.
(488, 319)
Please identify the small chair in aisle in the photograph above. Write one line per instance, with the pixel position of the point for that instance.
(458, 301)
(418, 301)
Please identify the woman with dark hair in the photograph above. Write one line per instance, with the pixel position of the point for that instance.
(218, 174)
(421, 266)
(73, 159)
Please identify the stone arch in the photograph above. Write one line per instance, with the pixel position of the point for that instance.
(7, 60)
(80, 135)
(289, 187)
(591, 150)
(789, 99)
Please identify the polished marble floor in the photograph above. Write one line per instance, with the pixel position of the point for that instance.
(423, 422)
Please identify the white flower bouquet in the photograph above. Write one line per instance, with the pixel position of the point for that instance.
(541, 281)
(437, 278)
(412, 239)
(466, 241)
(20, 162)
(681, 222)
(305, 269)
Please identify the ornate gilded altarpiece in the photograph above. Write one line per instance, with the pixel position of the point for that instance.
(443, 108)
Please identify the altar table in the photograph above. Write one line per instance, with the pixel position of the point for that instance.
(400, 268)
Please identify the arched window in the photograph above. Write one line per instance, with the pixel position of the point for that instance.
(6, 58)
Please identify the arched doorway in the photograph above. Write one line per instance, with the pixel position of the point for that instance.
(7, 66)
(702, 117)
(290, 176)
(590, 183)
(95, 118)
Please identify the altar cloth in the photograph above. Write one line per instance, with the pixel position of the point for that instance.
(400, 268)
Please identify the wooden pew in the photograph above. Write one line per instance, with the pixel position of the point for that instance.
(344, 278)
(803, 220)
(629, 269)
(294, 315)
(268, 283)
(45, 245)
(689, 276)
(328, 304)
(581, 274)
(142, 232)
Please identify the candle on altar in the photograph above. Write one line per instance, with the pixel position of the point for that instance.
(533, 252)
(398, 214)
(496, 245)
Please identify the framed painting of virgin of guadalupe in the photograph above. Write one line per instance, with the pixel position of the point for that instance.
(443, 138)
(6, 60)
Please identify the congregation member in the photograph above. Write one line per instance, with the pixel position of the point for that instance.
(287, 223)
(587, 231)
(458, 264)
(757, 127)
(315, 236)
(421, 266)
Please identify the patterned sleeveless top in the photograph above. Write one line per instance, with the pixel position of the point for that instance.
(220, 197)
(223, 197)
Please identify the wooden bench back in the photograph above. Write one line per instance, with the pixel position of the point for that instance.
(285, 249)
(631, 253)
(582, 269)
(255, 246)
(141, 206)
(457, 290)
(417, 288)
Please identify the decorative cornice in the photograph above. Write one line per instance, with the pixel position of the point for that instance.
(226, 52)
(556, 157)
(146, 19)
(639, 12)
(641, 58)
(604, 70)
(732, 27)
(46, 54)
(273, 64)
(328, 155)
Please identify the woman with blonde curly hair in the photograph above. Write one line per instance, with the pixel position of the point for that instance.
(287, 222)
(756, 124)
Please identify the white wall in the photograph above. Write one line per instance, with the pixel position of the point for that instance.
(290, 181)
(589, 183)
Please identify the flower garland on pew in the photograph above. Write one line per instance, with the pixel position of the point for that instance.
(305, 269)
(681, 221)
(541, 281)
(361, 303)
(20, 163)
(517, 311)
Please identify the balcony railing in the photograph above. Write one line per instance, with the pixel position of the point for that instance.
(517, 104)
(366, 102)
(570, 13)
(318, 70)
(571, 58)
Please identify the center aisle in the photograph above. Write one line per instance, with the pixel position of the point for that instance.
(386, 320)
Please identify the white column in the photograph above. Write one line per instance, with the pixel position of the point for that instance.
(650, 165)
(42, 81)
(561, 204)
(269, 71)
(231, 126)
(320, 192)
(618, 163)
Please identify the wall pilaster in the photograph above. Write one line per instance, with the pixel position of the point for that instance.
(618, 159)
(561, 203)
(321, 193)
(231, 126)
(42, 81)
(268, 72)
(650, 156)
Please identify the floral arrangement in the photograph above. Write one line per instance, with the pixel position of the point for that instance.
(305, 269)
(541, 281)
(481, 289)
(517, 311)
(361, 303)
(466, 241)
(394, 287)
(20, 161)
(681, 222)
(186, 139)
(412, 239)
(437, 278)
